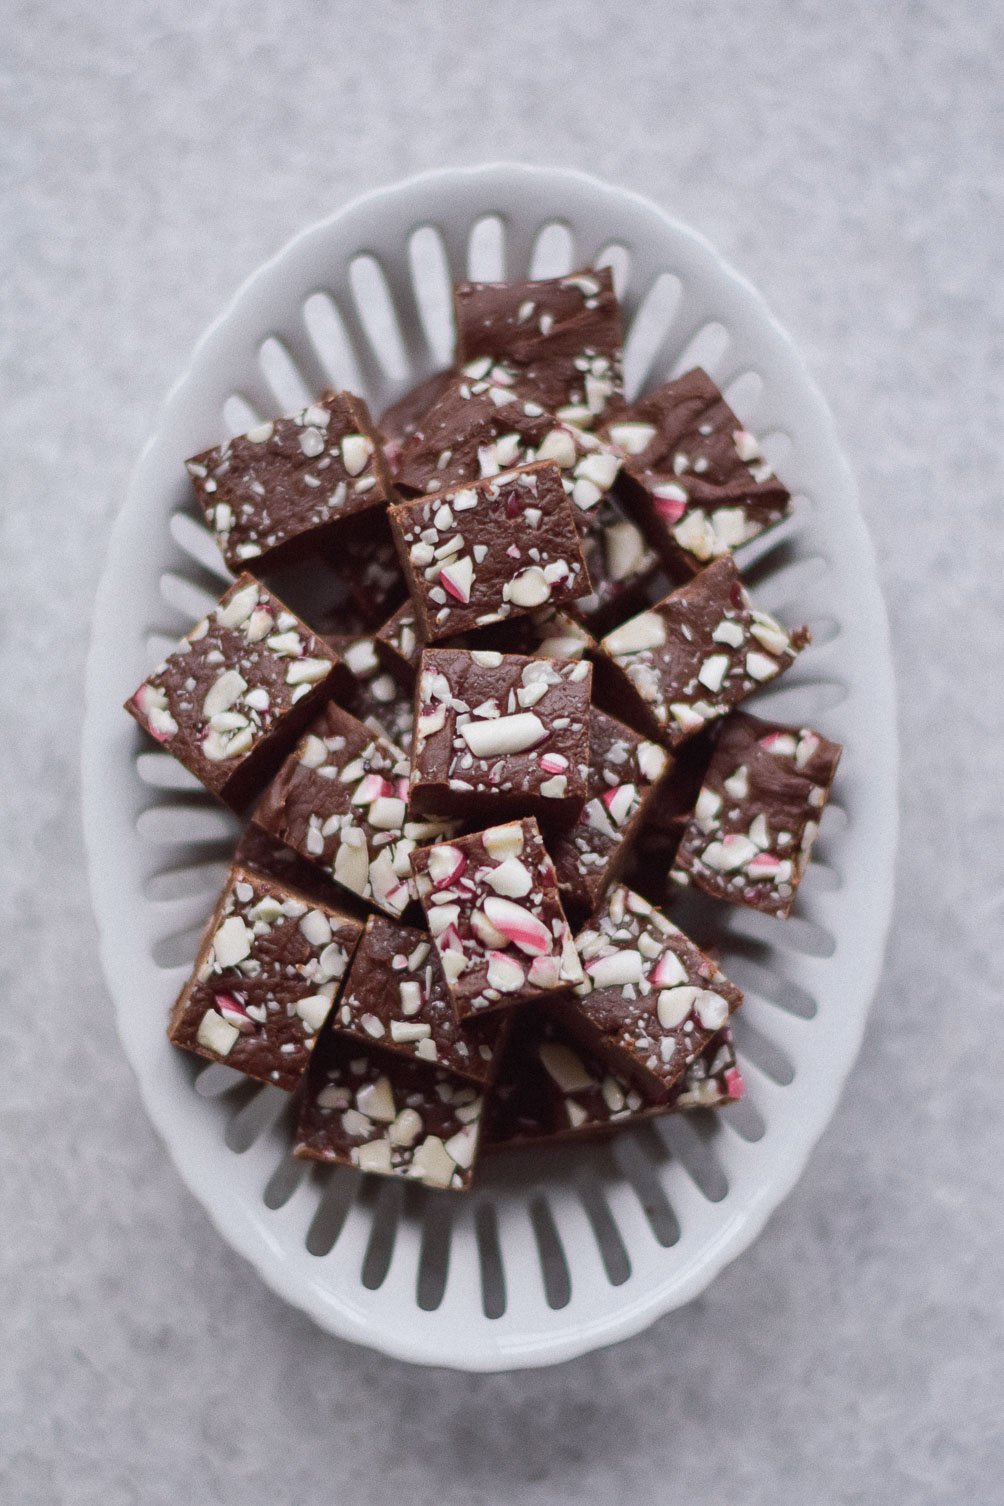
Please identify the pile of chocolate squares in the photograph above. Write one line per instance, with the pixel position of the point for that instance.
(507, 737)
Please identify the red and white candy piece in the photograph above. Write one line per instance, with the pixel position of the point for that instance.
(518, 926)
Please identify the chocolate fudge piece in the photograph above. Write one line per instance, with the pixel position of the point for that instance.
(395, 997)
(234, 694)
(381, 1112)
(265, 978)
(551, 1088)
(624, 770)
(558, 342)
(757, 815)
(340, 799)
(699, 651)
(499, 734)
(478, 429)
(493, 908)
(401, 419)
(268, 494)
(374, 696)
(494, 549)
(693, 475)
(650, 1001)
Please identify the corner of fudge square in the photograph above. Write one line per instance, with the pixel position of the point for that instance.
(395, 997)
(750, 837)
(693, 476)
(551, 1088)
(270, 495)
(695, 655)
(377, 1111)
(650, 1000)
(235, 694)
(625, 770)
(481, 553)
(340, 799)
(265, 978)
(500, 734)
(558, 342)
(492, 905)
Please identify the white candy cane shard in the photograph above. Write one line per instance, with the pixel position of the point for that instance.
(646, 631)
(617, 970)
(504, 735)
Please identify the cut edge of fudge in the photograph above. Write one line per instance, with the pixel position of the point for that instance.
(552, 1090)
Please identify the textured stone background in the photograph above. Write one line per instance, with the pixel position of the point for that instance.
(847, 157)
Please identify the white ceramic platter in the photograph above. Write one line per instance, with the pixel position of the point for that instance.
(554, 1255)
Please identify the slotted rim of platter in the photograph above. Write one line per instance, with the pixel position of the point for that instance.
(557, 1254)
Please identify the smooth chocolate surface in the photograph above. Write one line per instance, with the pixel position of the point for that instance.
(265, 978)
(492, 905)
(551, 1088)
(480, 554)
(751, 834)
(558, 342)
(340, 799)
(383, 1113)
(624, 769)
(267, 493)
(395, 997)
(500, 733)
(235, 693)
(650, 1000)
(693, 475)
(700, 651)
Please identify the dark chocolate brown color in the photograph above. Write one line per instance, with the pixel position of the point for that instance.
(699, 651)
(495, 549)
(757, 814)
(693, 475)
(558, 342)
(272, 494)
(266, 975)
(500, 734)
(235, 693)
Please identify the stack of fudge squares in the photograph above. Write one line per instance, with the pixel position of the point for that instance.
(527, 694)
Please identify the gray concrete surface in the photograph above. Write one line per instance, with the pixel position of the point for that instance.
(848, 158)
